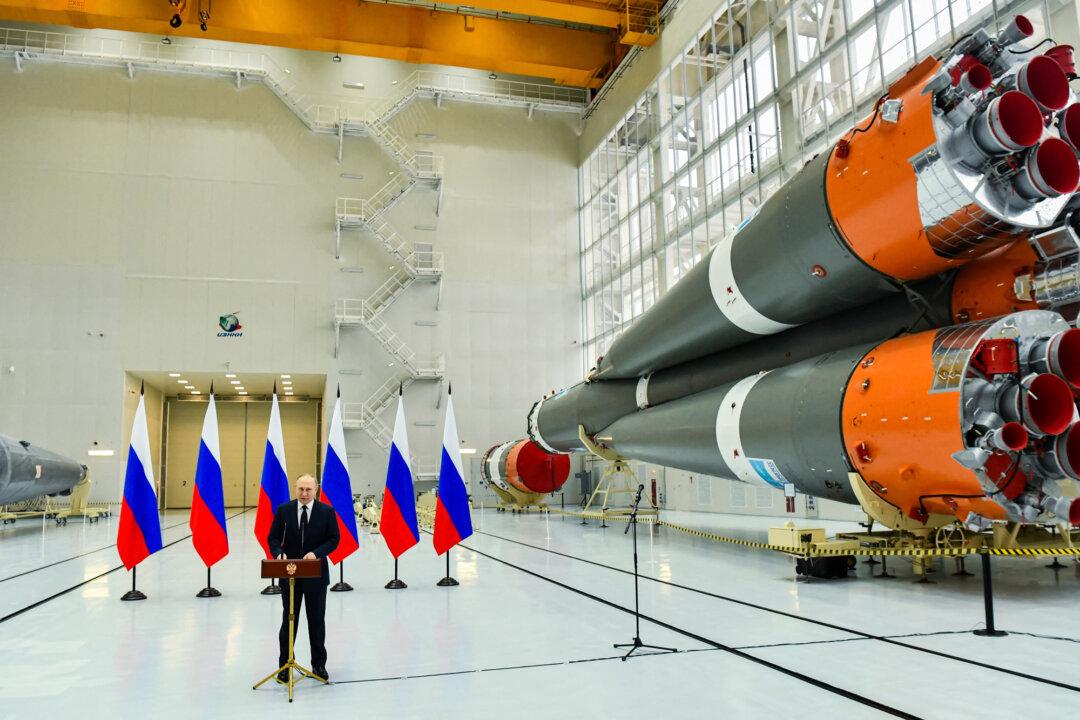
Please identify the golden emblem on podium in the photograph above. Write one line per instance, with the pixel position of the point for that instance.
(290, 569)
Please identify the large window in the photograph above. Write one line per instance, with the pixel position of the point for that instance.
(764, 87)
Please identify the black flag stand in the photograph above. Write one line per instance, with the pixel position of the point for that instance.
(341, 585)
(133, 594)
(447, 581)
(272, 589)
(209, 590)
(396, 583)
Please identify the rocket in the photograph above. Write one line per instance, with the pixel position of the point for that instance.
(27, 471)
(892, 328)
(963, 156)
(520, 471)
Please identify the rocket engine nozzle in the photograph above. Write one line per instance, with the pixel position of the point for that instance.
(1019, 29)
(1060, 355)
(1068, 124)
(1010, 436)
(976, 79)
(1010, 123)
(1043, 404)
(1043, 80)
(1049, 170)
(1061, 458)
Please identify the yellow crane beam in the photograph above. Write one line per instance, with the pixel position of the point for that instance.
(567, 56)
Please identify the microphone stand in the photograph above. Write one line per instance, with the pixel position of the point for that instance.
(636, 644)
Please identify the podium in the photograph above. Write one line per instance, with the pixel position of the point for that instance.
(291, 570)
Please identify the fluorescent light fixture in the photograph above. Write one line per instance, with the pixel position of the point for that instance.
(288, 394)
(425, 136)
(351, 176)
(234, 382)
(352, 269)
(230, 375)
(242, 392)
(286, 377)
(239, 388)
(196, 392)
(189, 387)
(423, 227)
(182, 382)
(286, 383)
(353, 85)
(467, 451)
(389, 364)
(99, 452)
(174, 374)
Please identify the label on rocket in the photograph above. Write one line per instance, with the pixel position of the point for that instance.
(767, 471)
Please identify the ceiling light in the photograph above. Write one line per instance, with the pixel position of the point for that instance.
(288, 394)
(196, 392)
(189, 387)
(467, 451)
(390, 172)
(242, 392)
(174, 374)
(352, 84)
(182, 382)
(234, 382)
(230, 375)
(286, 377)
(336, 58)
(393, 82)
(95, 451)
(389, 364)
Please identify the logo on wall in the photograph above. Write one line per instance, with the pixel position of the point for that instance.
(230, 326)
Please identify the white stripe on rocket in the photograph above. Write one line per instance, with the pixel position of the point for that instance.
(729, 298)
(273, 434)
(140, 443)
(728, 440)
(210, 431)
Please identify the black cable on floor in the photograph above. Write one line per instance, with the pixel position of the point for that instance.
(822, 623)
(41, 602)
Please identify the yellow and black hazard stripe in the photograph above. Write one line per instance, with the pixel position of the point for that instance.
(811, 551)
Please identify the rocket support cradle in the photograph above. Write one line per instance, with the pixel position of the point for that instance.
(958, 192)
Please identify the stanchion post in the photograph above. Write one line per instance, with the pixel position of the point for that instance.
(988, 601)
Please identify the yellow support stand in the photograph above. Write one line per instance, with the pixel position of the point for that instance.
(78, 508)
(618, 479)
(291, 664)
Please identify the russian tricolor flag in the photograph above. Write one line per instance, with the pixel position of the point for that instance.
(139, 535)
(207, 521)
(397, 523)
(337, 489)
(453, 523)
(274, 487)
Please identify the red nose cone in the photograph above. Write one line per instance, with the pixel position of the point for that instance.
(540, 471)
(1048, 404)
(1019, 118)
(1044, 81)
(1014, 436)
(1057, 171)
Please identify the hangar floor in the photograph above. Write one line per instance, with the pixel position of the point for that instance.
(530, 630)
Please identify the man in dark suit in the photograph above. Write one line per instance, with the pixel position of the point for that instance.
(308, 529)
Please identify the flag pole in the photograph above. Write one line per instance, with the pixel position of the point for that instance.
(133, 594)
(341, 585)
(396, 583)
(209, 591)
(447, 581)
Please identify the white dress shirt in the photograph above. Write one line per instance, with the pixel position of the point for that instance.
(300, 510)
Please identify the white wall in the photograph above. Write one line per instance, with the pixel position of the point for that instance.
(133, 212)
